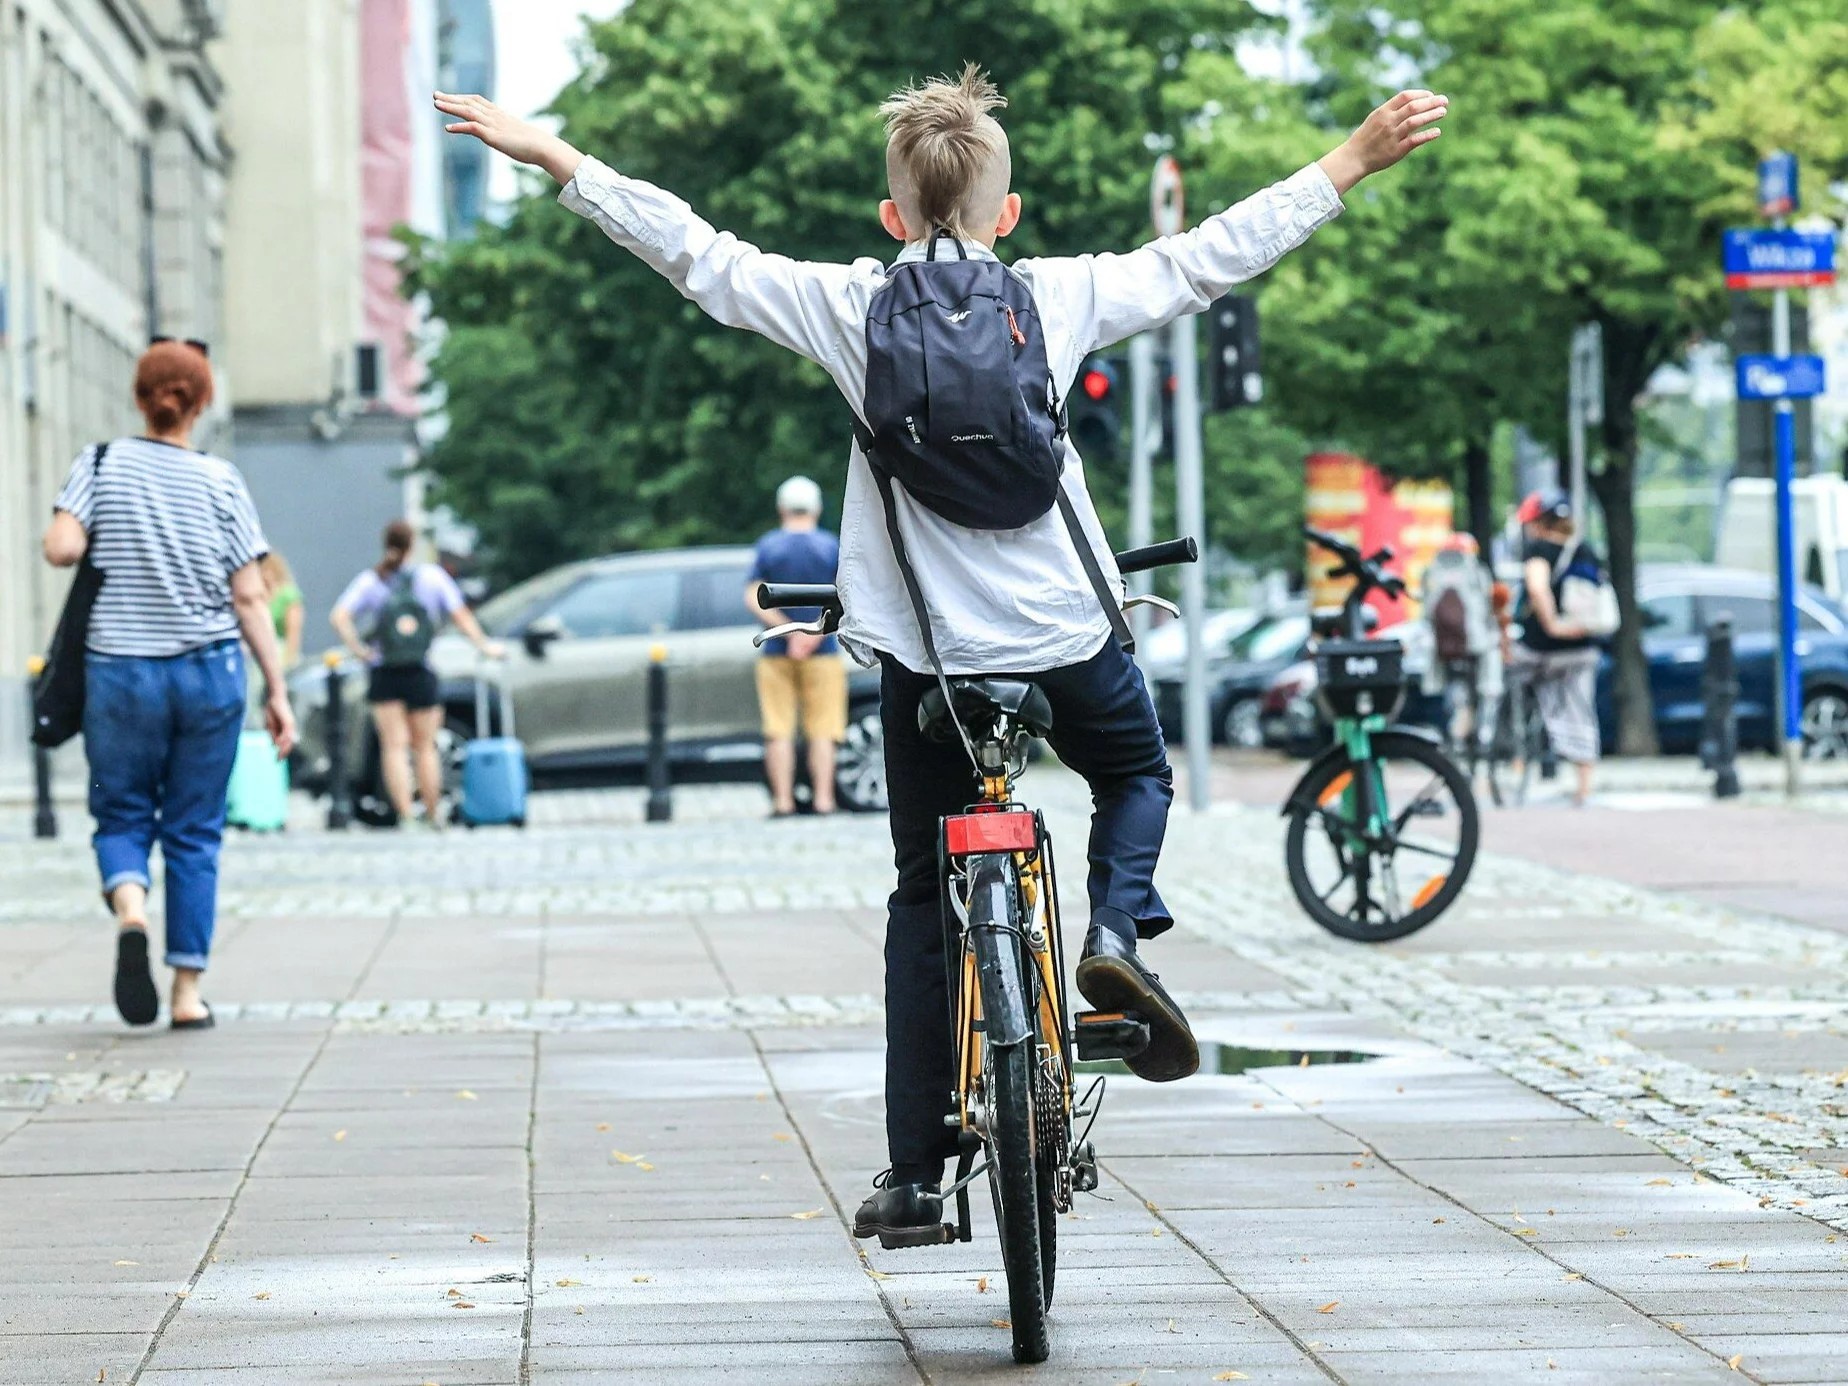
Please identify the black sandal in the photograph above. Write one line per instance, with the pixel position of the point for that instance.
(203, 1022)
(135, 996)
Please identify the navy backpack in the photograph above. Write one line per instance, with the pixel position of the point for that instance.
(962, 410)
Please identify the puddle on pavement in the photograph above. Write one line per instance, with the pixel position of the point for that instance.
(1232, 1058)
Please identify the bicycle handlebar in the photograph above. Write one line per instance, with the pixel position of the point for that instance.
(772, 596)
(1158, 556)
(1370, 572)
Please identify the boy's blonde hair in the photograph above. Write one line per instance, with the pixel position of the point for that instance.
(947, 159)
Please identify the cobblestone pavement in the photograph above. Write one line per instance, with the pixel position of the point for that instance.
(594, 1102)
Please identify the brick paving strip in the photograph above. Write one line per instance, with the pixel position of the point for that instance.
(618, 1134)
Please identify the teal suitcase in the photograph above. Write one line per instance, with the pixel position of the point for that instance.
(258, 798)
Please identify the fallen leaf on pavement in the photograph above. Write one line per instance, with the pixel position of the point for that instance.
(1722, 1265)
(567, 1284)
(804, 1217)
(453, 1293)
(1575, 1275)
(877, 1275)
(622, 1157)
(1303, 1062)
(261, 1294)
(1658, 1183)
(1231, 1376)
(340, 1135)
(643, 1164)
(103, 1374)
(1349, 1185)
(1002, 1323)
(781, 1136)
(1734, 1360)
(461, 1304)
(1621, 1232)
(641, 1279)
(1681, 1256)
(128, 1263)
(603, 1126)
(578, 1310)
(1329, 1307)
(1527, 1232)
(467, 1096)
(1436, 1220)
(981, 1285)
(1551, 1365)
(1171, 1327)
(477, 1237)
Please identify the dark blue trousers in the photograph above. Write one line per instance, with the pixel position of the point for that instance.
(1104, 727)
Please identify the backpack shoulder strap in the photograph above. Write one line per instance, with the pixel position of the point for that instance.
(1087, 559)
(916, 593)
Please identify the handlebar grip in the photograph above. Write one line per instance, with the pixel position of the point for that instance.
(1174, 551)
(781, 595)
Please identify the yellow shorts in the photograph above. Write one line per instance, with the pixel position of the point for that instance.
(817, 685)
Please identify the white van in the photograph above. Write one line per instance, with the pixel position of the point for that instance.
(1748, 529)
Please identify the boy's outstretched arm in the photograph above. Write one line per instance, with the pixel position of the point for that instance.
(1127, 294)
(794, 303)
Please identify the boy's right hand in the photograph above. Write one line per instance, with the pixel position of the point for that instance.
(518, 139)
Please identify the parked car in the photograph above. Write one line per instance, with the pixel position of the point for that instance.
(1678, 602)
(579, 641)
(1237, 682)
(1163, 651)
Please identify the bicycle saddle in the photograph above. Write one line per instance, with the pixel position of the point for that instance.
(980, 702)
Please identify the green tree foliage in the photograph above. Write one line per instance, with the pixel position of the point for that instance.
(592, 409)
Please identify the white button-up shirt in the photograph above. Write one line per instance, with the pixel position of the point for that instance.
(1014, 601)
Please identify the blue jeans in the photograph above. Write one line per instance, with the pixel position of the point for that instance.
(160, 735)
(1104, 727)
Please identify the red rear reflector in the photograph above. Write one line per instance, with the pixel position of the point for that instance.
(988, 832)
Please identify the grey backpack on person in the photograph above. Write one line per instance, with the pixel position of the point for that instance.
(405, 628)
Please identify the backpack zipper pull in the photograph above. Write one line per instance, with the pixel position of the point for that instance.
(1020, 338)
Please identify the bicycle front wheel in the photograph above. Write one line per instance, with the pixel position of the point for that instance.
(1013, 1178)
(1378, 849)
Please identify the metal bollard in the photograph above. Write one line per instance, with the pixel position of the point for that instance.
(660, 794)
(339, 796)
(44, 815)
(1719, 726)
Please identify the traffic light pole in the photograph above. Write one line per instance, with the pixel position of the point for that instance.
(1142, 405)
(1190, 512)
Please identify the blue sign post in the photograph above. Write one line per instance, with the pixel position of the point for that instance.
(1780, 260)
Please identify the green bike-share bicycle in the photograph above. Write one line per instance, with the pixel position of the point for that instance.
(1383, 825)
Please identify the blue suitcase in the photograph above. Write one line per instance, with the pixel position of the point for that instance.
(258, 796)
(494, 779)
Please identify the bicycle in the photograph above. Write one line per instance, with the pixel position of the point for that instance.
(1349, 792)
(1471, 720)
(1520, 737)
(1015, 1033)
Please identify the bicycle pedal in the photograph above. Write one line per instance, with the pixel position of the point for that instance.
(1110, 1034)
(918, 1236)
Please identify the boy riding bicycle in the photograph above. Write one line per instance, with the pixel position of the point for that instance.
(1027, 600)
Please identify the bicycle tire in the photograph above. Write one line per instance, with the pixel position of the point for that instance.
(1049, 1235)
(1013, 1179)
(1401, 746)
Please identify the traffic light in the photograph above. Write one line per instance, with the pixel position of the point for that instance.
(1092, 411)
(1233, 368)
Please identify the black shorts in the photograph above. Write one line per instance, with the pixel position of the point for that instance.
(410, 684)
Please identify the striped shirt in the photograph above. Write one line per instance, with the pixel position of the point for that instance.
(168, 527)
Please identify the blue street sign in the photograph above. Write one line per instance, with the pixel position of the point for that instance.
(1778, 259)
(1777, 184)
(1780, 377)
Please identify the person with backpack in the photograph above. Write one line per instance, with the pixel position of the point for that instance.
(173, 539)
(969, 544)
(1456, 593)
(1566, 606)
(402, 605)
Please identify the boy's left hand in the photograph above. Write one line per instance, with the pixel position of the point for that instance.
(1387, 136)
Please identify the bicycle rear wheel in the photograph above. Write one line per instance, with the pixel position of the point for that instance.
(1013, 1179)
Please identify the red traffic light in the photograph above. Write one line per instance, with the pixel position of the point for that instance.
(1096, 383)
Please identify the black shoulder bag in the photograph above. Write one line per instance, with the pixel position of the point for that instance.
(57, 694)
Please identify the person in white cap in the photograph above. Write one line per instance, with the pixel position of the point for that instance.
(798, 675)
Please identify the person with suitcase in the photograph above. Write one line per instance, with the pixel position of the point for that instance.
(402, 605)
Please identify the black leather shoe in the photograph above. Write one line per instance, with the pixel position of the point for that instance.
(901, 1215)
(1112, 978)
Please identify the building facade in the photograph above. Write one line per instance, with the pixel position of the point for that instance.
(112, 229)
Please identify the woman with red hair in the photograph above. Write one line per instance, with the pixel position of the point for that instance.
(177, 541)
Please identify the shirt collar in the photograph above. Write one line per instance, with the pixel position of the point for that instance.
(914, 252)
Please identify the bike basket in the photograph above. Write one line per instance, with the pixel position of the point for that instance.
(1360, 678)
